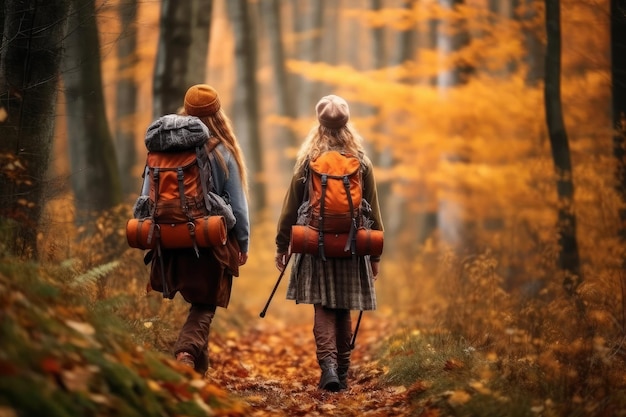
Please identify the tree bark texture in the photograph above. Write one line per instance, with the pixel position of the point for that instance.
(618, 77)
(246, 112)
(569, 260)
(126, 97)
(95, 178)
(30, 60)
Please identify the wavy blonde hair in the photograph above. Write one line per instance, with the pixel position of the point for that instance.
(321, 139)
(221, 128)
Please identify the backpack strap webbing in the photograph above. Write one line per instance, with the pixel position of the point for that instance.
(351, 242)
(155, 183)
(320, 238)
(180, 177)
(159, 252)
(205, 174)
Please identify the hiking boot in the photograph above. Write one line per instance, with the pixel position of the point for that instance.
(202, 364)
(186, 358)
(343, 360)
(329, 380)
(343, 379)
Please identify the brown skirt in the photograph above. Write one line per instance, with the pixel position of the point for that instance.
(198, 279)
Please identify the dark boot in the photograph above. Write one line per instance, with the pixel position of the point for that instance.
(202, 363)
(344, 350)
(329, 380)
(343, 364)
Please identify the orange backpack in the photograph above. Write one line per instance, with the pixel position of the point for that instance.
(176, 185)
(174, 211)
(335, 195)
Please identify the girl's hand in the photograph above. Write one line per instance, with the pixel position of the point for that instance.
(375, 268)
(281, 260)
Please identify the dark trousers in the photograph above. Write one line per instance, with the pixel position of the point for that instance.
(332, 329)
(194, 336)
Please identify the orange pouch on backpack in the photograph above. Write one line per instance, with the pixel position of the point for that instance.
(305, 239)
(206, 232)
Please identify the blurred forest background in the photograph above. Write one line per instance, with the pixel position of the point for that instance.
(495, 127)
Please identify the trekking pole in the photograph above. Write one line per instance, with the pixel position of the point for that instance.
(356, 330)
(269, 300)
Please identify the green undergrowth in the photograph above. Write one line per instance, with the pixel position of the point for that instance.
(64, 352)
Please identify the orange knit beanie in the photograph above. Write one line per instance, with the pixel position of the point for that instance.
(201, 100)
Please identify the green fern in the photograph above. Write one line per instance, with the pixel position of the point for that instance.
(94, 274)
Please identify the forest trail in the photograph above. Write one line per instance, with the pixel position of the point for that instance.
(273, 368)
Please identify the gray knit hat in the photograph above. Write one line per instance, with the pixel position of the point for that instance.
(332, 112)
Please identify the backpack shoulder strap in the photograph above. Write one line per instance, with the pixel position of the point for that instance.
(205, 155)
(306, 179)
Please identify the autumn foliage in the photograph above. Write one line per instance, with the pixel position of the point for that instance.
(473, 318)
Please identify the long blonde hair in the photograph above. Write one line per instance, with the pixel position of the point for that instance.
(220, 127)
(321, 139)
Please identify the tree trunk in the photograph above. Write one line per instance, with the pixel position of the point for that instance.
(383, 158)
(406, 44)
(505, 10)
(184, 28)
(271, 11)
(170, 72)
(126, 97)
(569, 260)
(201, 31)
(618, 75)
(95, 178)
(246, 119)
(534, 46)
(309, 91)
(2, 17)
(332, 26)
(451, 37)
(30, 60)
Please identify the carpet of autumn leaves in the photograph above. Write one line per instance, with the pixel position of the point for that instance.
(273, 368)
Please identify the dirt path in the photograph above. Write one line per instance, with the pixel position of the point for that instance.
(273, 368)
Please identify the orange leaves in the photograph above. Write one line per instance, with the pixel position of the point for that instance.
(274, 368)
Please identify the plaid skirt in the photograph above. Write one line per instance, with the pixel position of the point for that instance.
(344, 283)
